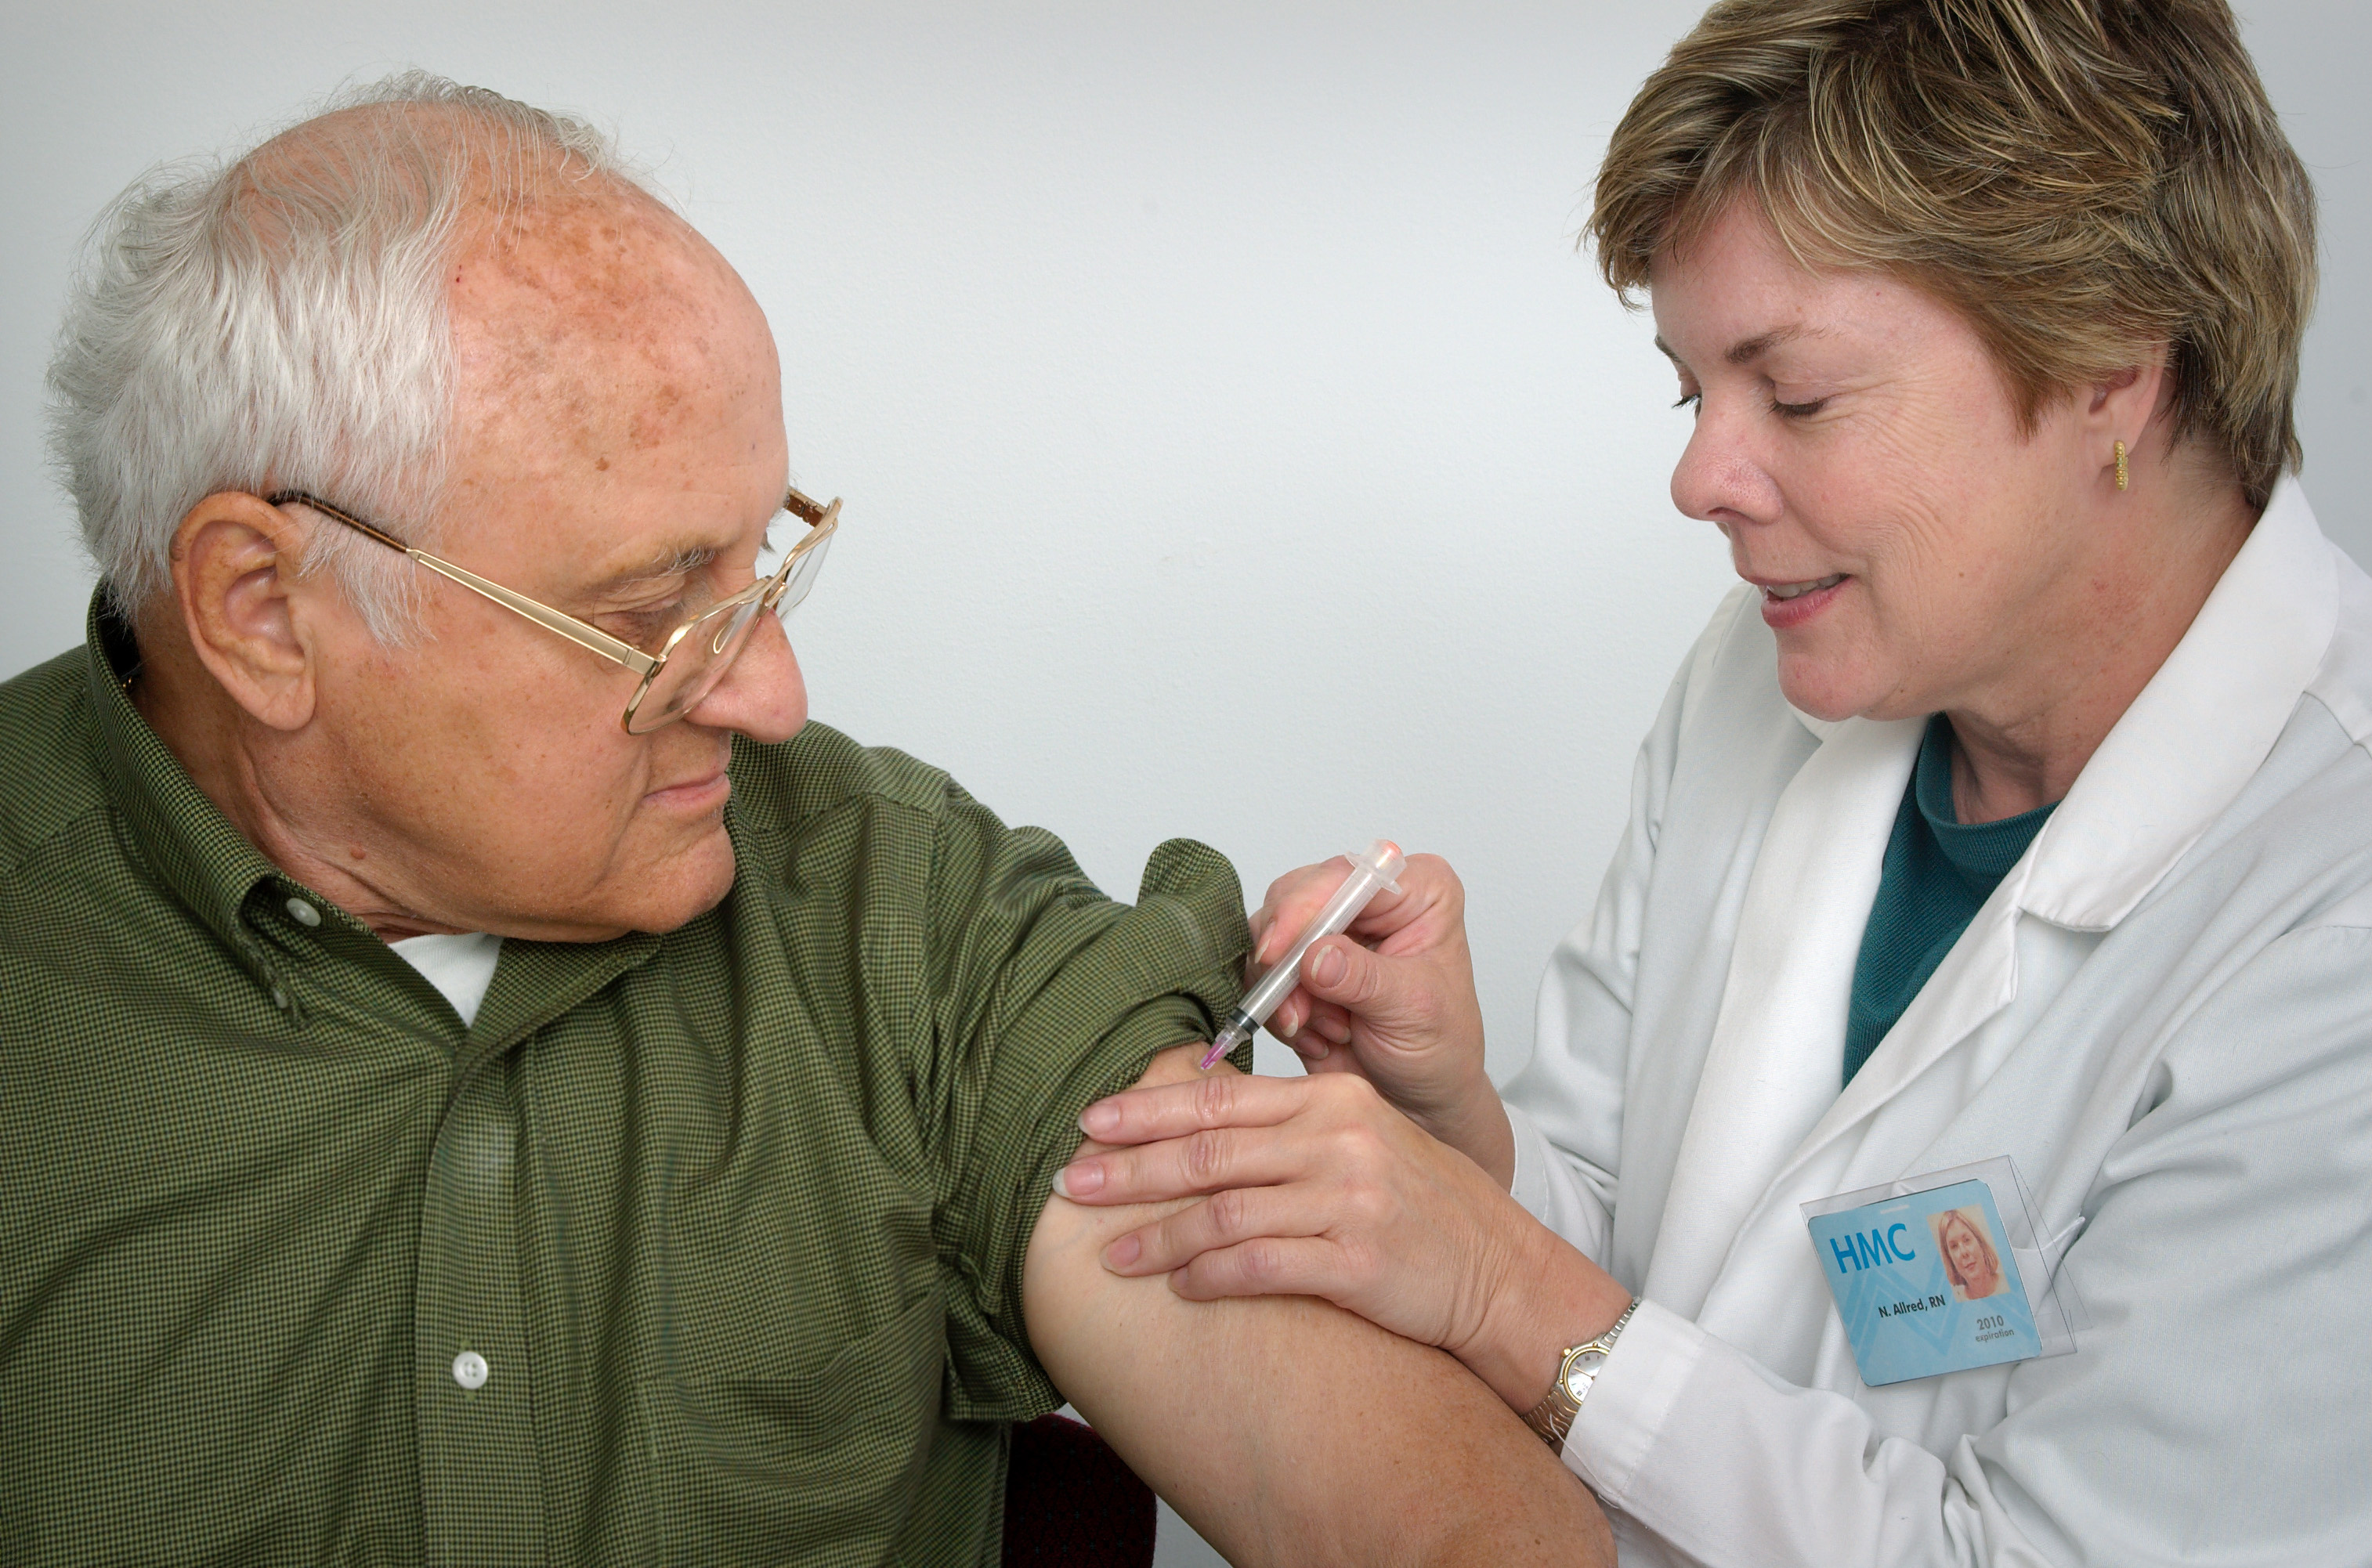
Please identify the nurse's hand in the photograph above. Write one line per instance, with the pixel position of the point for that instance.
(1318, 1188)
(1392, 1000)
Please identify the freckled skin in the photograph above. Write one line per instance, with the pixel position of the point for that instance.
(618, 401)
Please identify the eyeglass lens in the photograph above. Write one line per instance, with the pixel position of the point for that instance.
(710, 645)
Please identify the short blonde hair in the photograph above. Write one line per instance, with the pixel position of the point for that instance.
(2081, 180)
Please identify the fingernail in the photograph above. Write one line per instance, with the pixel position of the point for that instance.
(1329, 967)
(1313, 1049)
(1080, 1180)
(1122, 1253)
(1099, 1118)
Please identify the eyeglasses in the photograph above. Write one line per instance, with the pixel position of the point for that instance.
(692, 658)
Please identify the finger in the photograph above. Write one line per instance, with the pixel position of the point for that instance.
(1315, 1039)
(1167, 1110)
(1224, 1219)
(1187, 1167)
(1268, 1266)
(1334, 1061)
(1431, 903)
(1329, 1023)
(1294, 900)
(1264, 920)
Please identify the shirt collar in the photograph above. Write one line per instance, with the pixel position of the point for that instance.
(1982, 853)
(212, 869)
(191, 847)
(2201, 728)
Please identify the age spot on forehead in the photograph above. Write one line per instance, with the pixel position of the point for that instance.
(652, 423)
(597, 332)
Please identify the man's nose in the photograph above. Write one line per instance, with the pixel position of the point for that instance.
(762, 695)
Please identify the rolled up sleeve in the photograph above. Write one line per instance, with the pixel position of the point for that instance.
(1044, 996)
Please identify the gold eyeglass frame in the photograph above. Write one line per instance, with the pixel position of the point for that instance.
(822, 519)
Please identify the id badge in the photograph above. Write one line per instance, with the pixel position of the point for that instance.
(1931, 1275)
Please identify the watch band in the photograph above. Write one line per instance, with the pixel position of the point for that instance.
(1576, 1370)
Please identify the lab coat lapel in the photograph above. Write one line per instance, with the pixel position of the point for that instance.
(1977, 979)
(1771, 1067)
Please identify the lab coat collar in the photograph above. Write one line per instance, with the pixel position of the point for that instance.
(2194, 735)
(2199, 730)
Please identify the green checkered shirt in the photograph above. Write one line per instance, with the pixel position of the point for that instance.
(735, 1215)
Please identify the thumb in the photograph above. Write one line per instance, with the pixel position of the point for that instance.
(1362, 982)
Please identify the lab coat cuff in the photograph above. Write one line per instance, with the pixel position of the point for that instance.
(1624, 1415)
(1530, 1187)
(1552, 1192)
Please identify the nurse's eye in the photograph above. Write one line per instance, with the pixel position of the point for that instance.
(1692, 402)
(1798, 411)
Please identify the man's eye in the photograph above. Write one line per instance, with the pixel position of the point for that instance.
(1799, 410)
(1692, 402)
(648, 622)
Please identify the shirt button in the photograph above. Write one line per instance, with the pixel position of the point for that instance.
(303, 913)
(470, 1369)
(280, 998)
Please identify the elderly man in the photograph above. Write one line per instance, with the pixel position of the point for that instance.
(481, 1080)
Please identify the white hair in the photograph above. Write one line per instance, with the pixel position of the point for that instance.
(277, 321)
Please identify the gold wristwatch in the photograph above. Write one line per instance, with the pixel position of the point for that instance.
(1553, 1417)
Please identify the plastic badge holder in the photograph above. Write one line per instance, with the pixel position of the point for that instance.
(1906, 1317)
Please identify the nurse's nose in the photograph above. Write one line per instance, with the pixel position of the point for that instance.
(1721, 478)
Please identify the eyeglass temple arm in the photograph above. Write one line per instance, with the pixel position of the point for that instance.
(804, 508)
(589, 637)
(568, 626)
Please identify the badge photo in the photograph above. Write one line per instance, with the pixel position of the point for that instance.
(1929, 1278)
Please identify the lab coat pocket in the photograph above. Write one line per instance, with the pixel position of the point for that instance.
(812, 1467)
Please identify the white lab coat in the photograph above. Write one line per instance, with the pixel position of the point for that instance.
(2163, 1015)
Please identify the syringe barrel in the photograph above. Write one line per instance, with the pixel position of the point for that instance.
(1370, 873)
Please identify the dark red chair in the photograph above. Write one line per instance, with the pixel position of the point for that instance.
(1071, 1503)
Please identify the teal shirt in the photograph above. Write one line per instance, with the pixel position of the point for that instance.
(1939, 871)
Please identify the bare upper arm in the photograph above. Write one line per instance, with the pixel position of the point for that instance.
(1286, 1429)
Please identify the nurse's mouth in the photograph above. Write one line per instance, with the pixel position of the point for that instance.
(1786, 591)
(1786, 605)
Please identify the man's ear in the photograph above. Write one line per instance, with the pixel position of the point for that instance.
(235, 567)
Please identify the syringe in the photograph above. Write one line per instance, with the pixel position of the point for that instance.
(1370, 873)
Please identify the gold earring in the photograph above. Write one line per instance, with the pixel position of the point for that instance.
(2123, 476)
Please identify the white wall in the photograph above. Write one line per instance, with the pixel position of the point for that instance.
(1232, 443)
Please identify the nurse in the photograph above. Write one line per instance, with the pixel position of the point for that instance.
(2017, 805)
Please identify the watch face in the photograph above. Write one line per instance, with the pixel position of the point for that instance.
(1582, 1373)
